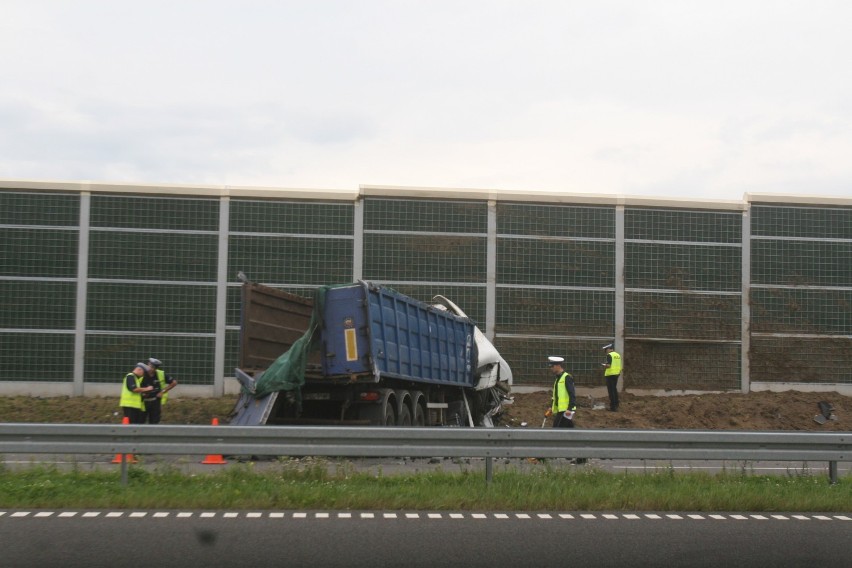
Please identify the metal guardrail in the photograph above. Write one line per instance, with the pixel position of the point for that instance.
(487, 443)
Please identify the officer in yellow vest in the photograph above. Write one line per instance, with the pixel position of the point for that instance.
(612, 370)
(132, 391)
(562, 398)
(162, 384)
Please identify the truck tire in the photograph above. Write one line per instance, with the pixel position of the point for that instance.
(390, 415)
(419, 418)
(380, 414)
(404, 418)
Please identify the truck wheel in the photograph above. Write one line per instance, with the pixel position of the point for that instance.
(419, 418)
(378, 414)
(390, 416)
(404, 418)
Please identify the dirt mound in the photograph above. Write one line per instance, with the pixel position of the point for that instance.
(789, 410)
(755, 411)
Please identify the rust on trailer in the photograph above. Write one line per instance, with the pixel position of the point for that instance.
(272, 320)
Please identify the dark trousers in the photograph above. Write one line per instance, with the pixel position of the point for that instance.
(559, 421)
(135, 415)
(153, 411)
(612, 391)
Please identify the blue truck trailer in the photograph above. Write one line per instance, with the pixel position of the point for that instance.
(368, 355)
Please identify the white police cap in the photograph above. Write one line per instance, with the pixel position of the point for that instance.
(555, 360)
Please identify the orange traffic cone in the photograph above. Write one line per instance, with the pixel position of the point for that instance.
(214, 459)
(128, 457)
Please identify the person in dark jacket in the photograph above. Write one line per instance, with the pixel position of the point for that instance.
(157, 397)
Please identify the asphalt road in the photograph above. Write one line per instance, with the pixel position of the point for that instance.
(166, 539)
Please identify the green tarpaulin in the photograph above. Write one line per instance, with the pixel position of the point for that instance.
(288, 371)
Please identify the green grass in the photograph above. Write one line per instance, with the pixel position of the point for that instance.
(320, 487)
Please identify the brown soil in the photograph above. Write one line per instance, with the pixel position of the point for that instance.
(754, 411)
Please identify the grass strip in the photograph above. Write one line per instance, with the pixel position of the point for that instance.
(318, 487)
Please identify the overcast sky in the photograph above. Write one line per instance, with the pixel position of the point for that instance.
(705, 99)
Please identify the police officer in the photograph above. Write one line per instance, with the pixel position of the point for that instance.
(132, 392)
(612, 370)
(563, 398)
(162, 384)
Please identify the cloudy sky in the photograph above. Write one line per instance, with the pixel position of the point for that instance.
(709, 99)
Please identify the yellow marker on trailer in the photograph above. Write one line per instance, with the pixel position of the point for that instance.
(351, 344)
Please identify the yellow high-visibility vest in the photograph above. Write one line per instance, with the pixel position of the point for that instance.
(129, 398)
(560, 399)
(614, 367)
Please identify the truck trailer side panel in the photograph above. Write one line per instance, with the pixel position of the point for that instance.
(374, 330)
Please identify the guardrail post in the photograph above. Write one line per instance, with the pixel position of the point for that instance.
(489, 469)
(124, 470)
(832, 472)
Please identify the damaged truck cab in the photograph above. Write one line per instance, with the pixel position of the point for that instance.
(364, 354)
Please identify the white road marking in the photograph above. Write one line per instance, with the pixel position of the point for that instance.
(390, 516)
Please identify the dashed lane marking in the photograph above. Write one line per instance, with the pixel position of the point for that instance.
(413, 516)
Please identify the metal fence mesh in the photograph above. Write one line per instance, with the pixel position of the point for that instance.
(38, 252)
(682, 366)
(153, 265)
(427, 216)
(555, 288)
(188, 359)
(801, 297)
(683, 280)
(36, 356)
